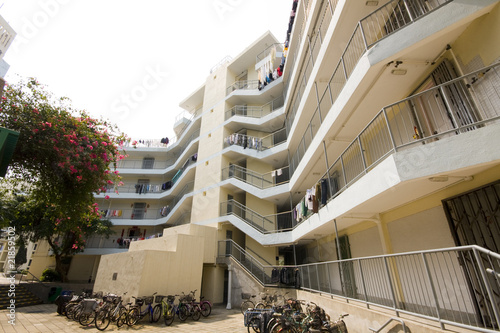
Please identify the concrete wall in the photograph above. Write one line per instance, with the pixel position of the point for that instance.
(168, 265)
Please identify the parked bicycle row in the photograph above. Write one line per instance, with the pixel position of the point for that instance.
(292, 316)
(101, 310)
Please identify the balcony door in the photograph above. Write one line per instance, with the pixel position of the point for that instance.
(442, 110)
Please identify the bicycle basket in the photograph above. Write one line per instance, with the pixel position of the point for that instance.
(148, 299)
(170, 298)
(246, 295)
(159, 298)
(139, 301)
(89, 305)
(188, 298)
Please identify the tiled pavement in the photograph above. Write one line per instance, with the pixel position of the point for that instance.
(44, 318)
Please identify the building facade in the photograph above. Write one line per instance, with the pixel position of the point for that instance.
(371, 131)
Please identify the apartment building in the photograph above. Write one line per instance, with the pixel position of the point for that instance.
(356, 161)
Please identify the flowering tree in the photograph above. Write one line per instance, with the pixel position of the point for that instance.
(62, 158)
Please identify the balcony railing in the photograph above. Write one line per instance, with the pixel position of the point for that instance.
(262, 181)
(243, 85)
(255, 111)
(148, 213)
(264, 224)
(257, 143)
(139, 164)
(402, 12)
(278, 47)
(457, 286)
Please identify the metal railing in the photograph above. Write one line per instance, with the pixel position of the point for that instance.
(243, 85)
(403, 12)
(255, 111)
(140, 164)
(457, 286)
(262, 273)
(263, 223)
(223, 61)
(262, 181)
(189, 116)
(419, 119)
(257, 143)
(148, 213)
(277, 46)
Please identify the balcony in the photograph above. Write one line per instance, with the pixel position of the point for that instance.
(466, 104)
(255, 111)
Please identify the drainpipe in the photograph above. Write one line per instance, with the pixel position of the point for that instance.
(229, 287)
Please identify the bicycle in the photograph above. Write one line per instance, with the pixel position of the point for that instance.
(270, 301)
(89, 309)
(337, 326)
(111, 311)
(135, 313)
(247, 302)
(205, 306)
(170, 310)
(192, 309)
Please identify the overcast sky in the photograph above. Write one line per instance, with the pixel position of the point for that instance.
(132, 62)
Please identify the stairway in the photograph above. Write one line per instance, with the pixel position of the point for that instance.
(22, 296)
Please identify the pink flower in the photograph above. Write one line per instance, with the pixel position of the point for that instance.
(106, 197)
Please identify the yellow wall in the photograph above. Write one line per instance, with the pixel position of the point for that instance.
(268, 253)
(480, 39)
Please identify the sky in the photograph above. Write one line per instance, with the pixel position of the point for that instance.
(133, 62)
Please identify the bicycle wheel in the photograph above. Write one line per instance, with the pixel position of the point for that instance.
(133, 316)
(156, 313)
(196, 312)
(122, 319)
(169, 315)
(86, 318)
(245, 305)
(182, 313)
(254, 325)
(102, 320)
(260, 306)
(68, 309)
(206, 309)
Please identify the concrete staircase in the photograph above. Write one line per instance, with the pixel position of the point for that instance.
(21, 295)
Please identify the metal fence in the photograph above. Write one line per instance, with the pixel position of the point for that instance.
(457, 286)
(262, 181)
(255, 111)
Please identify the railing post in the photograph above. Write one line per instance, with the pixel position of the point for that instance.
(450, 107)
(363, 35)
(391, 286)
(363, 283)
(491, 294)
(362, 153)
(389, 129)
(434, 294)
(408, 10)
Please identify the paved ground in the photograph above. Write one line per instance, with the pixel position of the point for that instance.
(44, 318)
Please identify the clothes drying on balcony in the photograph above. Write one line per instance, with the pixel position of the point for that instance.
(111, 213)
(244, 141)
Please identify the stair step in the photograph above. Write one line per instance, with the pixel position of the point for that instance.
(23, 297)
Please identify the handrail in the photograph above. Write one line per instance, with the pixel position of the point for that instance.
(262, 181)
(255, 111)
(243, 85)
(440, 285)
(387, 323)
(33, 278)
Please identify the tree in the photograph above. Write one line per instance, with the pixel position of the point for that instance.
(62, 158)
